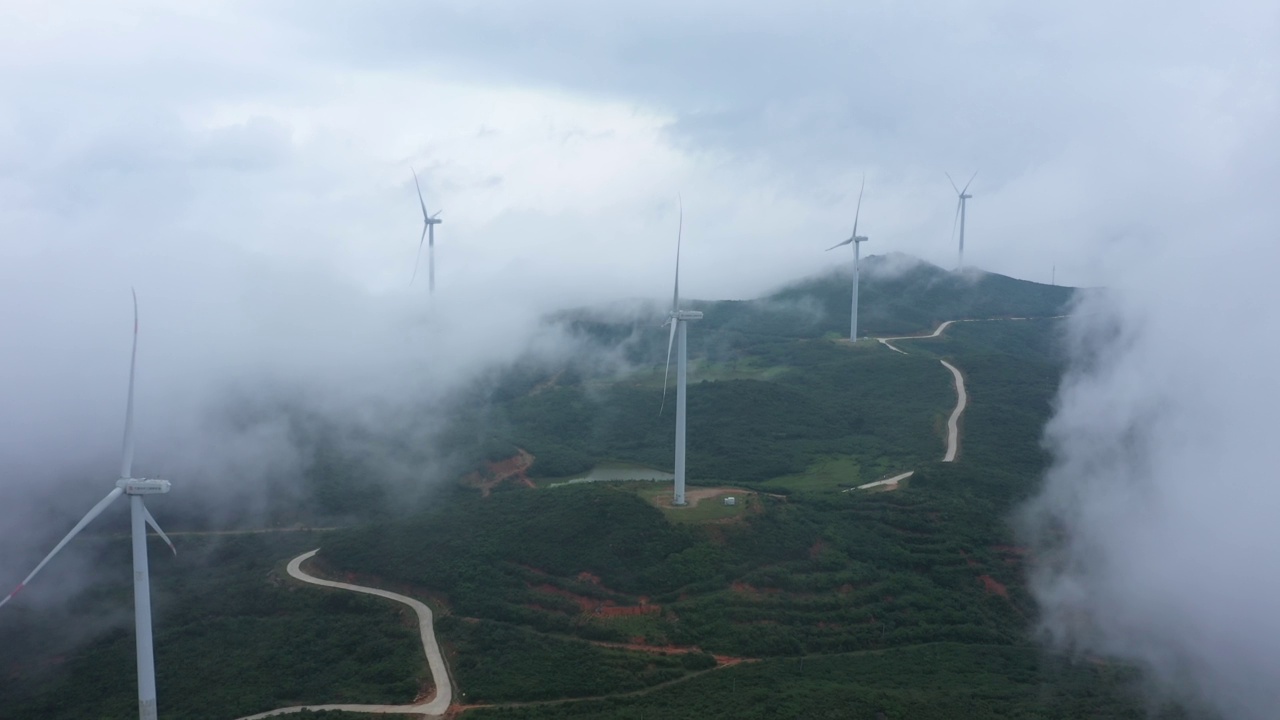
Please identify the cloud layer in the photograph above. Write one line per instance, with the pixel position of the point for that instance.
(1156, 525)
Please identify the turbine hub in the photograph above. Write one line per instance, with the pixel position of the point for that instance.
(861, 238)
(143, 486)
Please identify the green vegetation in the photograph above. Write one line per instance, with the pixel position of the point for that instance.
(233, 637)
(832, 400)
(495, 662)
(905, 603)
(931, 682)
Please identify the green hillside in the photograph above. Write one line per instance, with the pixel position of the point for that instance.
(810, 599)
(899, 295)
(776, 391)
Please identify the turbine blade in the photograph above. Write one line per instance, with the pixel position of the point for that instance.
(667, 374)
(433, 217)
(858, 212)
(966, 185)
(840, 244)
(418, 258)
(146, 514)
(953, 182)
(675, 297)
(88, 518)
(419, 187)
(126, 454)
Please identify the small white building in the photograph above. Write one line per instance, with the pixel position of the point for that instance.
(731, 500)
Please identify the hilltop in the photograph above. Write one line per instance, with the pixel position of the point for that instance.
(900, 294)
(774, 388)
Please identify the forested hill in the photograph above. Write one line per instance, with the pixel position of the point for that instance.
(770, 389)
(899, 294)
(902, 294)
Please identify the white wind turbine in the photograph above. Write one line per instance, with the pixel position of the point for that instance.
(135, 488)
(961, 204)
(856, 240)
(429, 223)
(678, 320)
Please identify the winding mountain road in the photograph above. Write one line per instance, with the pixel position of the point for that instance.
(953, 422)
(962, 397)
(888, 341)
(433, 707)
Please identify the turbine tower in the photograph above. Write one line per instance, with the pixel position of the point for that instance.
(678, 320)
(429, 223)
(960, 210)
(856, 240)
(135, 488)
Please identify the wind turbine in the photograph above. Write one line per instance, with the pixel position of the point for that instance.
(856, 240)
(678, 320)
(960, 209)
(429, 223)
(135, 488)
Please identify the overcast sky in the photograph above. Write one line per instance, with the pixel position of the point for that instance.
(555, 134)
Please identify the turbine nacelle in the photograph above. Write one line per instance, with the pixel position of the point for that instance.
(685, 315)
(143, 486)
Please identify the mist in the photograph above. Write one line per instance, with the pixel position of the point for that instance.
(1156, 528)
(247, 368)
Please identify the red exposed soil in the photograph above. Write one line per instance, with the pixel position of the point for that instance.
(597, 607)
(639, 645)
(608, 611)
(816, 549)
(1013, 554)
(740, 587)
(695, 495)
(588, 578)
(539, 608)
(586, 604)
(1011, 549)
(513, 469)
(993, 586)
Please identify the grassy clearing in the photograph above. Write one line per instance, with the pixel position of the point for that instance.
(827, 476)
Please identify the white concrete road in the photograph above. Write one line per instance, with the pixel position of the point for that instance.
(434, 707)
(887, 341)
(887, 481)
(962, 398)
(953, 423)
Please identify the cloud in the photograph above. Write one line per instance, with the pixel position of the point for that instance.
(1156, 522)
